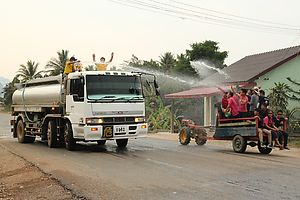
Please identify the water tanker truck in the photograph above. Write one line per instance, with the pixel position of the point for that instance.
(82, 106)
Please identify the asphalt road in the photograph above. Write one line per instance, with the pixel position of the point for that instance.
(162, 169)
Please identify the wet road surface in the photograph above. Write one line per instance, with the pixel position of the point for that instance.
(152, 168)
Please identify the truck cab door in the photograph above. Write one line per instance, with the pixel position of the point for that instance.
(75, 100)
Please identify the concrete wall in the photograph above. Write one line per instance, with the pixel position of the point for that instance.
(290, 69)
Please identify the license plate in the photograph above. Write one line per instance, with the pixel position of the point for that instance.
(107, 132)
(120, 129)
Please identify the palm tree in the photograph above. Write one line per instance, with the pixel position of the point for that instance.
(167, 61)
(57, 65)
(28, 71)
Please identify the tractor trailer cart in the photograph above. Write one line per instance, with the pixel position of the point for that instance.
(82, 106)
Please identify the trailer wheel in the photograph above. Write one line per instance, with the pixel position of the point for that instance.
(122, 143)
(22, 138)
(200, 140)
(239, 144)
(51, 134)
(184, 135)
(263, 150)
(101, 142)
(201, 136)
(69, 140)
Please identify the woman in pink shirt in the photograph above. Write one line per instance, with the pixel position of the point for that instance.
(243, 103)
(232, 105)
(269, 127)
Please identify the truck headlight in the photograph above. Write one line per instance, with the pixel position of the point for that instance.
(139, 119)
(94, 121)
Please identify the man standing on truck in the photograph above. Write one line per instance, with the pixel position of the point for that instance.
(70, 67)
(102, 66)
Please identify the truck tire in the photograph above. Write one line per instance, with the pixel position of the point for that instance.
(101, 142)
(69, 140)
(239, 144)
(122, 143)
(22, 138)
(21, 131)
(185, 135)
(263, 150)
(51, 134)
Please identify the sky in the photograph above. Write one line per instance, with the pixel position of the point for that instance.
(36, 30)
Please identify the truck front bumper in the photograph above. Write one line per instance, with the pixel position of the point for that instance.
(109, 132)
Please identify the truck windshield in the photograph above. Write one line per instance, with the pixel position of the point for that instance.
(106, 87)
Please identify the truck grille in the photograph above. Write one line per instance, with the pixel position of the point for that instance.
(118, 120)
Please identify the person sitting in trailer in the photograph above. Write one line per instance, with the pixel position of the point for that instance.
(283, 135)
(102, 66)
(260, 131)
(270, 128)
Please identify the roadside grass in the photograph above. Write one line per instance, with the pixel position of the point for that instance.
(294, 142)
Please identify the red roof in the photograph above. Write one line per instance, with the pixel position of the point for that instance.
(203, 92)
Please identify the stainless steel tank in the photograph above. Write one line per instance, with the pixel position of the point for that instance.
(44, 91)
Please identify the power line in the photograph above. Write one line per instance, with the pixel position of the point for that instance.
(167, 9)
(232, 15)
(222, 19)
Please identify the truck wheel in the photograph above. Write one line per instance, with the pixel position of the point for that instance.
(239, 144)
(52, 134)
(22, 138)
(21, 131)
(263, 150)
(184, 136)
(102, 142)
(69, 140)
(122, 143)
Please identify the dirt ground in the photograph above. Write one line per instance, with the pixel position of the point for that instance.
(20, 179)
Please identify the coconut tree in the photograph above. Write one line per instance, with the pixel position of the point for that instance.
(57, 65)
(28, 71)
(167, 61)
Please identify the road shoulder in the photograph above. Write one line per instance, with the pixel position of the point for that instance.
(20, 179)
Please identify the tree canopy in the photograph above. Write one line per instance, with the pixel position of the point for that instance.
(207, 50)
